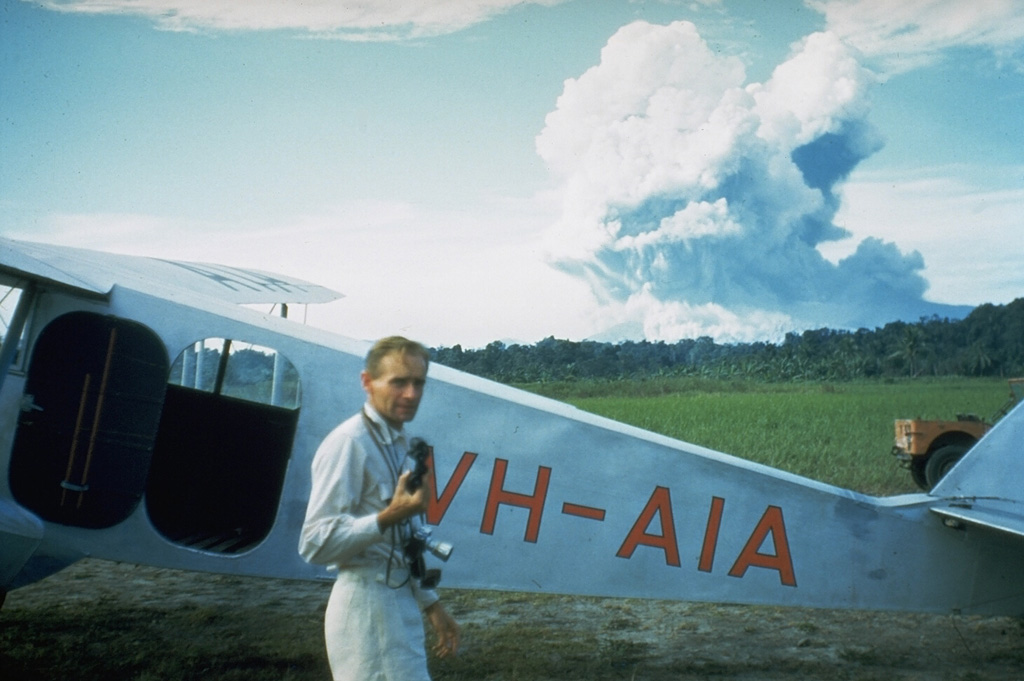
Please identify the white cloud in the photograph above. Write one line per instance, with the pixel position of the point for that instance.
(697, 220)
(907, 34)
(659, 320)
(968, 232)
(813, 93)
(628, 124)
(693, 200)
(362, 20)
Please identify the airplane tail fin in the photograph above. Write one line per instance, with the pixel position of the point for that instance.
(986, 487)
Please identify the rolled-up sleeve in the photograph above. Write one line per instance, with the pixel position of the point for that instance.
(424, 597)
(339, 524)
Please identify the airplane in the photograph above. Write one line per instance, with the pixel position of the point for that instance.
(149, 414)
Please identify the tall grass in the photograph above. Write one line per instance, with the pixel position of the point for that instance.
(839, 433)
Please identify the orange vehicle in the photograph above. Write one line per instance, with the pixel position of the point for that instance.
(929, 448)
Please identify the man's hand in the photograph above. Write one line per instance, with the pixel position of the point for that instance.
(445, 628)
(404, 504)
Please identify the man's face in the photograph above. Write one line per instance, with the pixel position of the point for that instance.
(396, 391)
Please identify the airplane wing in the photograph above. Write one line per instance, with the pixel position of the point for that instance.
(96, 273)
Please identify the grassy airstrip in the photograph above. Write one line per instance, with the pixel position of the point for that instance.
(107, 621)
(839, 433)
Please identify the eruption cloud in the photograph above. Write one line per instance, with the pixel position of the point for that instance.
(694, 203)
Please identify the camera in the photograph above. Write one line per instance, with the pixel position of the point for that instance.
(440, 549)
(415, 546)
(419, 450)
(421, 539)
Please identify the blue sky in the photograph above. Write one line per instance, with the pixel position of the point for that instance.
(478, 170)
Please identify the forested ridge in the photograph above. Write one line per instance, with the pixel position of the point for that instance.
(988, 342)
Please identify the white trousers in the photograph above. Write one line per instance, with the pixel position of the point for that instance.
(374, 632)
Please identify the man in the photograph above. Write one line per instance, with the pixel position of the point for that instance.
(357, 521)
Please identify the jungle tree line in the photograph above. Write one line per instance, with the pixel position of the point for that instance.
(988, 342)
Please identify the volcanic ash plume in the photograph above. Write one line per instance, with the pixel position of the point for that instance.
(695, 203)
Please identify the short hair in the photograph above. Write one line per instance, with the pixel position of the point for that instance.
(399, 344)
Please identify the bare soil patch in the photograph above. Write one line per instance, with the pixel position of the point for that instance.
(110, 621)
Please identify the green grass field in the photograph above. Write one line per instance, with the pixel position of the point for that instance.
(839, 433)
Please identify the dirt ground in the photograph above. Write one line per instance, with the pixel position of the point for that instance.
(101, 620)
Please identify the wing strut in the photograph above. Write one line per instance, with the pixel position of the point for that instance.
(15, 329)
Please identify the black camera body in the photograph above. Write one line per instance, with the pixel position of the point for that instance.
(419, 450)
(420, 540)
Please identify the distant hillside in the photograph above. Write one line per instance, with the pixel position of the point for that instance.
(987, 342)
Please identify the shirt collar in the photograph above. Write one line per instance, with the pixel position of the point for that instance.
(387, 433)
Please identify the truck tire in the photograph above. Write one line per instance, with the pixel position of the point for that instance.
(941, 460)
(917, 474)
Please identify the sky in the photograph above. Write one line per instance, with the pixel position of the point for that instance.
(466, 171)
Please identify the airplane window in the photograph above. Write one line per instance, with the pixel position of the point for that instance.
(240, 370)
(221, 453)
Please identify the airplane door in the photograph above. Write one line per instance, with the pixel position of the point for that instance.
(93, 398)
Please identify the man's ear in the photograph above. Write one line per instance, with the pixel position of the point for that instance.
(364, 378)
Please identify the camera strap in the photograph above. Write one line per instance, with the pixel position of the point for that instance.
(400, 533)
(387, 451)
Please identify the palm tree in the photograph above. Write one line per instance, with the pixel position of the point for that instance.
(911, 346)
(978, 358)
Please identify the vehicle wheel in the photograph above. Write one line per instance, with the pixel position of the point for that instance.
(941, 460)
(918, 475)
